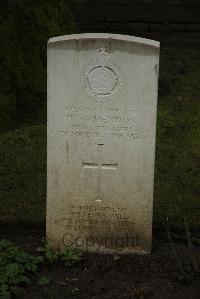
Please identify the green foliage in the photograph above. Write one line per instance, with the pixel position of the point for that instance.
(43, 281)
(50, 254)
(15, 266)
(25, 29)
(69, 255)
(177, 152)
(23, 175)
(7, 110)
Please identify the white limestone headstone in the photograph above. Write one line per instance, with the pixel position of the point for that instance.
(102, 102)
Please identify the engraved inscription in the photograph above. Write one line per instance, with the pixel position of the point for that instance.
(109, 123)
(82, 217)
(100, 166)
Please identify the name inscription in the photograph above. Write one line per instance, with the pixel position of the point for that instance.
(108, 123)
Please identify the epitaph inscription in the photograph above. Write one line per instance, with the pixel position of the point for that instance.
(94, 217)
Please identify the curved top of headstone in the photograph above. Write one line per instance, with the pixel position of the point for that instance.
(105, 36)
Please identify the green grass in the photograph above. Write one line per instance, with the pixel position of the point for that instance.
(178, 143)
(23, 152)
(23, 175)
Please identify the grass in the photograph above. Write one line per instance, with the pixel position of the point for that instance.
(23, 175)
(178, 144)
(23, 152)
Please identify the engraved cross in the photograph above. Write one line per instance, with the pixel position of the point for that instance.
(100, 166)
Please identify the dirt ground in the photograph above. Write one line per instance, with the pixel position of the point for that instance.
(159, 275)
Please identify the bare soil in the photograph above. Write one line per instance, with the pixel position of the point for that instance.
(159, 275)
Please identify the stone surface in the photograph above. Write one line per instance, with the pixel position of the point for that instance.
(102, 100)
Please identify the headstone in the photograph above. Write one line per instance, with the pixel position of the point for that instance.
(102, 102)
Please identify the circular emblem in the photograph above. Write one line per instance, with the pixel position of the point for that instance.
(101, 81)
